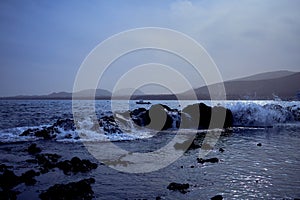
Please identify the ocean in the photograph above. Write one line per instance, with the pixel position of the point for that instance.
(257, 159)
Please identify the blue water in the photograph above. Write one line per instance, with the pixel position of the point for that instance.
(245, 170)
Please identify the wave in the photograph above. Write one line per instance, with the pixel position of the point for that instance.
(253, 114)
(137, 124)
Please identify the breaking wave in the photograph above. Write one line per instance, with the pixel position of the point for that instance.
(118, 127)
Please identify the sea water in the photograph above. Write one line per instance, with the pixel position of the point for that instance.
(245, 170)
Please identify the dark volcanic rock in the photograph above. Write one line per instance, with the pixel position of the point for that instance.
(199, 116)
(4, 167)
(211, 160)
(140, 117)
(74, 190)
(33, 149)
(28, 177)
(109, 125)
(76, 165)
(259, 144)
(46, 133)
(223, 117)
(179, 187)
(165, 107)
(29, 132)
(137, 111)
(192, 144)
(295, 111)
(65, 124)
(217, 197)
(159, 117)
(66, 166)
(50, 132)
(9, 194)
(47, 161)
(9, 180)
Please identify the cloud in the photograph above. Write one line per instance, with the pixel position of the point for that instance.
(245, 36)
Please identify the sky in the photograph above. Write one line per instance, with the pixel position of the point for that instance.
(43, 43)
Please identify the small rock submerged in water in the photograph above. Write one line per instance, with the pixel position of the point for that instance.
(45, 162)
(217, 197)
(74, 190)
(33, 149)
(211, 160)
(179, 187)
(8, 179)
(76, 165)
(28, 177)
(4, 167)
(9, 194)
(51, 132)
(221, 150)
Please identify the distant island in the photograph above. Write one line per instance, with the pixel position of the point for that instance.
(283, 85)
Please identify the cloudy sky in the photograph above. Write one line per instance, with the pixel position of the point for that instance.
(43, 43)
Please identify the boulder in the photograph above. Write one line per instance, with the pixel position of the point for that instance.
(179, 187)
(50, 132)
(28, 132)
(47, 161)
(199, 116)
(76, 165)
(211, 160)
(46, 133)
(4, 167)
(219, 114)
(65, 124)
(217, 197)
(9, 194)
(65, 166)
(109, 125)
(74, 190)
(140, 117)
(221, 150)
(9, 180)
(28, 177)
(33, 149)
(159, 117)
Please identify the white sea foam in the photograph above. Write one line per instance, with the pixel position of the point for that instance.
(253, 114)
(245, 114)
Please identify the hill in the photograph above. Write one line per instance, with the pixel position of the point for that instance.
(258, 87)
(266, 75)
(282, 84)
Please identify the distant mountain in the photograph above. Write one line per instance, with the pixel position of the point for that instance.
(84, 94)
(127, 91)
(89, 94)
(285, 85)
(59, 95)
(266, 75)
